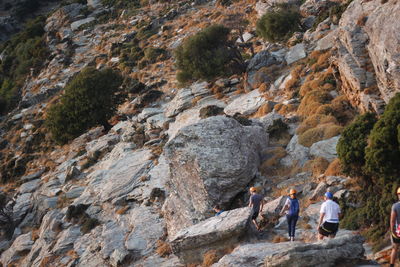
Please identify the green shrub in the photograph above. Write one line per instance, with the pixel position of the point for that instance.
(206, 55)
(279, 24)
(352, 144)
(277, 128)
(90, 99)
(383, 153)
(24, 51)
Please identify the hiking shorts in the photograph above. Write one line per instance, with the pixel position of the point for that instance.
(395, 239)
(255, 215)
(327, 228)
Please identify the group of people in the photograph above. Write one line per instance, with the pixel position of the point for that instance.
(328, 223)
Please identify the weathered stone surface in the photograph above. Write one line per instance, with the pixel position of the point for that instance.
(102, 145)
(155, 260)
(22, 205)
(264, 6)
(295, 53)
(66, 239)
(113, 237)
(345, 246)
(272, 209)
(296, 153)
(29, 187)
(325, 148)
(269, 119)
(211, 161)
(148, 112)
(368, 53)
(119, 173)
(75, 25)
(246, 104)
(315, 7)
(223, 230)
(319, 191)
(260, 60)
(328, 41)
(148, 228)
(21, 245)
(183, 99)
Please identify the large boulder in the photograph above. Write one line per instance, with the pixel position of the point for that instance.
(343, 248)
(217, 232)
(368, 53)
(325, 148)
(246, 104)
(211, 162)
(346, 247)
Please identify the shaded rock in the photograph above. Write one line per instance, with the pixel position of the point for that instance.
(113, 236)
(295, 53)
(219, 231)
(246, 104)
(102, 145)
(211, 161)
(22, 205)
(21, 245)
(148, 112)
(344, 247)
(33, 176)
(272, 209)
(269, 119)
(210, 111)
(29, 187)
(328, 41)
(325, 148)
(319, 191)
(259, 61)
(74, 192)
(66, 239)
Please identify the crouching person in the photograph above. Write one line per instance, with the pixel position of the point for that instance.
(329, 218)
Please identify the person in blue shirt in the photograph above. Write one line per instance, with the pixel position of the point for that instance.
(292, 209)
(218, 210)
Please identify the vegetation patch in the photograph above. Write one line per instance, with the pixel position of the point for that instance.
(208, 54)
(279, 24)
(90, 99)
(319, 133)
(24, 54)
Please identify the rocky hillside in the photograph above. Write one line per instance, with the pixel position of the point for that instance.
(142, 192)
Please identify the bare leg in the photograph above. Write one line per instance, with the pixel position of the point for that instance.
(393, 255)
(255, 223)
(320, 237)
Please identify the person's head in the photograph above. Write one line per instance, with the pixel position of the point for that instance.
(292, 193)
(328, 195)
(217, 208)
(398, 192)
(253, 190)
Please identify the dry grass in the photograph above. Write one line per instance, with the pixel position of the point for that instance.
(35, 234)
(314, 121)
(334, 168)
(46, 261)
(275, 155)
(312, 101)
(279, 239)
(316, 166)
(163, 248)
(319, 133)
(262, 111)
(209, 258)
(285, 109)
(122, 210)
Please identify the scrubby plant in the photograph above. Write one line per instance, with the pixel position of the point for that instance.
(24, 54)
(277, 128)
(315, 120)
(312, 101)
(319, 133)
(279, 24)
(90, 99)
(207, 54)
(352, 143)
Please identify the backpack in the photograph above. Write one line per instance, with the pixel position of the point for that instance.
(294, 206)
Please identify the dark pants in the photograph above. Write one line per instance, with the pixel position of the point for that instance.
(292, 220)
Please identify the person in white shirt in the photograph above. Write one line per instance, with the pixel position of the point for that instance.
(329, 218)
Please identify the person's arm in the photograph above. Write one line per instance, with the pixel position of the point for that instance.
(250, 202)
(321, 218)
(393, 221)
(285, 207)
(262, 205)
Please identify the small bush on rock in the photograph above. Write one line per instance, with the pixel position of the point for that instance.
(319, 133)
(206, 55)
(90, 99)
(279, 24)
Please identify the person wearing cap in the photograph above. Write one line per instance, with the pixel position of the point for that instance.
(256, 202)
(328, 224)
(292, 208)
(395, 228)
(218, 210)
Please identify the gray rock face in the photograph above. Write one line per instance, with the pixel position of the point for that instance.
(295, 53)
(66, 240)
(246, 104)
(260, 60)
(21, 244)
(223, 230)
(325, 148)
(273, 208)
(75, 25)
(296, 254)
(211, 161)
(296, 153)
(22, 205)
(347, 246)
(183, 99)
(368, 53)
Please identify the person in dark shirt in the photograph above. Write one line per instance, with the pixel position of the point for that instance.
(218, 210)
(395, 228)
(256, 203)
